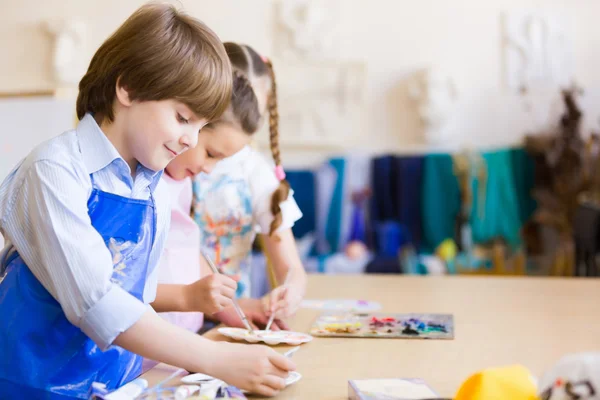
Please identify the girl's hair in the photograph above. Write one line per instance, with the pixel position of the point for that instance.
(247, 110)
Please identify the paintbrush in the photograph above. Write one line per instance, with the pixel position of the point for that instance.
(236, 306)
(272, 317)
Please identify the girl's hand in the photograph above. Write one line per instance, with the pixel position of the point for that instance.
(254, 311)
(211, 294)
(284, 301)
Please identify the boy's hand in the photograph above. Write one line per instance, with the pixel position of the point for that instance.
(256, 368)
(210, 294)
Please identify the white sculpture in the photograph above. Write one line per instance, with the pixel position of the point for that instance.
(321, 103)
(306, 28)
(320, 93)
(68, 60)
(537, 51)
(436, 96)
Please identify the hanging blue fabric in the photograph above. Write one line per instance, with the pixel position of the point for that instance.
(440, 200)
(409, 183)
(42, 352)
(357, 184)
(383, 196)
(391, 237)
(334, 219)
(358, 230)
(501, 217)
(303, 184)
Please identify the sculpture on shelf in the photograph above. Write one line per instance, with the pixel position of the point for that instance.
(321, 104)
(537, 52)
(321, 94)
(305, 28)
(435, 95)
(68, 63)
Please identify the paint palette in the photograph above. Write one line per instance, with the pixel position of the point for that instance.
(378, 325)
(268, 337)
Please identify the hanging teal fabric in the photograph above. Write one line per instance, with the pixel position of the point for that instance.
(524, 177)
(441, 200)
(501, 216)
(334, 219)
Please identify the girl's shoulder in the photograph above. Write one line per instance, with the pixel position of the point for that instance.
(260, 170)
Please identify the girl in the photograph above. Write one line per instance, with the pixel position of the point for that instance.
(85, 216)
(185, 282)
(245, 194)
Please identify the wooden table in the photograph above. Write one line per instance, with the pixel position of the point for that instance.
(498, 321)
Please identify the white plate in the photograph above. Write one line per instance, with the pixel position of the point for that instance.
(269, 337)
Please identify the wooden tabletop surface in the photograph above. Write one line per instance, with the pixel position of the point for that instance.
(498, 321)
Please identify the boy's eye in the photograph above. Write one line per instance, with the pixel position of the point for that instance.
(181, 119)
(209, 154)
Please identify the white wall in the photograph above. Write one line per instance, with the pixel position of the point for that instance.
(395, 37)
(52, 117)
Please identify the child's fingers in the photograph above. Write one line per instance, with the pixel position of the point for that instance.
(266, 304)
(281, 308)
(274, 382)
(226, 281)
(274, 327)
(260, 318)
(278, 296)
(224, 302)
(228, 292)
(280, 325)
(282, 365)
(266, 391)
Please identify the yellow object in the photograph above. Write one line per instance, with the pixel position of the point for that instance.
(447, 250)
(503, 383)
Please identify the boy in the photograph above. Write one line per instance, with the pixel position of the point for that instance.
(85, 219)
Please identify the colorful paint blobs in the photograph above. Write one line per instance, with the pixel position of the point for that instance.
(420, 326)
(347, 327)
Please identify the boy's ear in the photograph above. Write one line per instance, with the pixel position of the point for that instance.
(122, 94)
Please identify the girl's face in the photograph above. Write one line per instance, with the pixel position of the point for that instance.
(215, 142)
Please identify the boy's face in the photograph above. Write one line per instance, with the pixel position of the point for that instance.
(214, 144)
(158, 131)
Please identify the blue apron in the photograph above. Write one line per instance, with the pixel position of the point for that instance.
(42, 355)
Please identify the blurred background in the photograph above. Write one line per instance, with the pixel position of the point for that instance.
(427, 137)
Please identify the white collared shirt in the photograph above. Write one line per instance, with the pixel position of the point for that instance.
(44, 216)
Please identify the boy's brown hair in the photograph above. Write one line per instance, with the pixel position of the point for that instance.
(159, 53)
